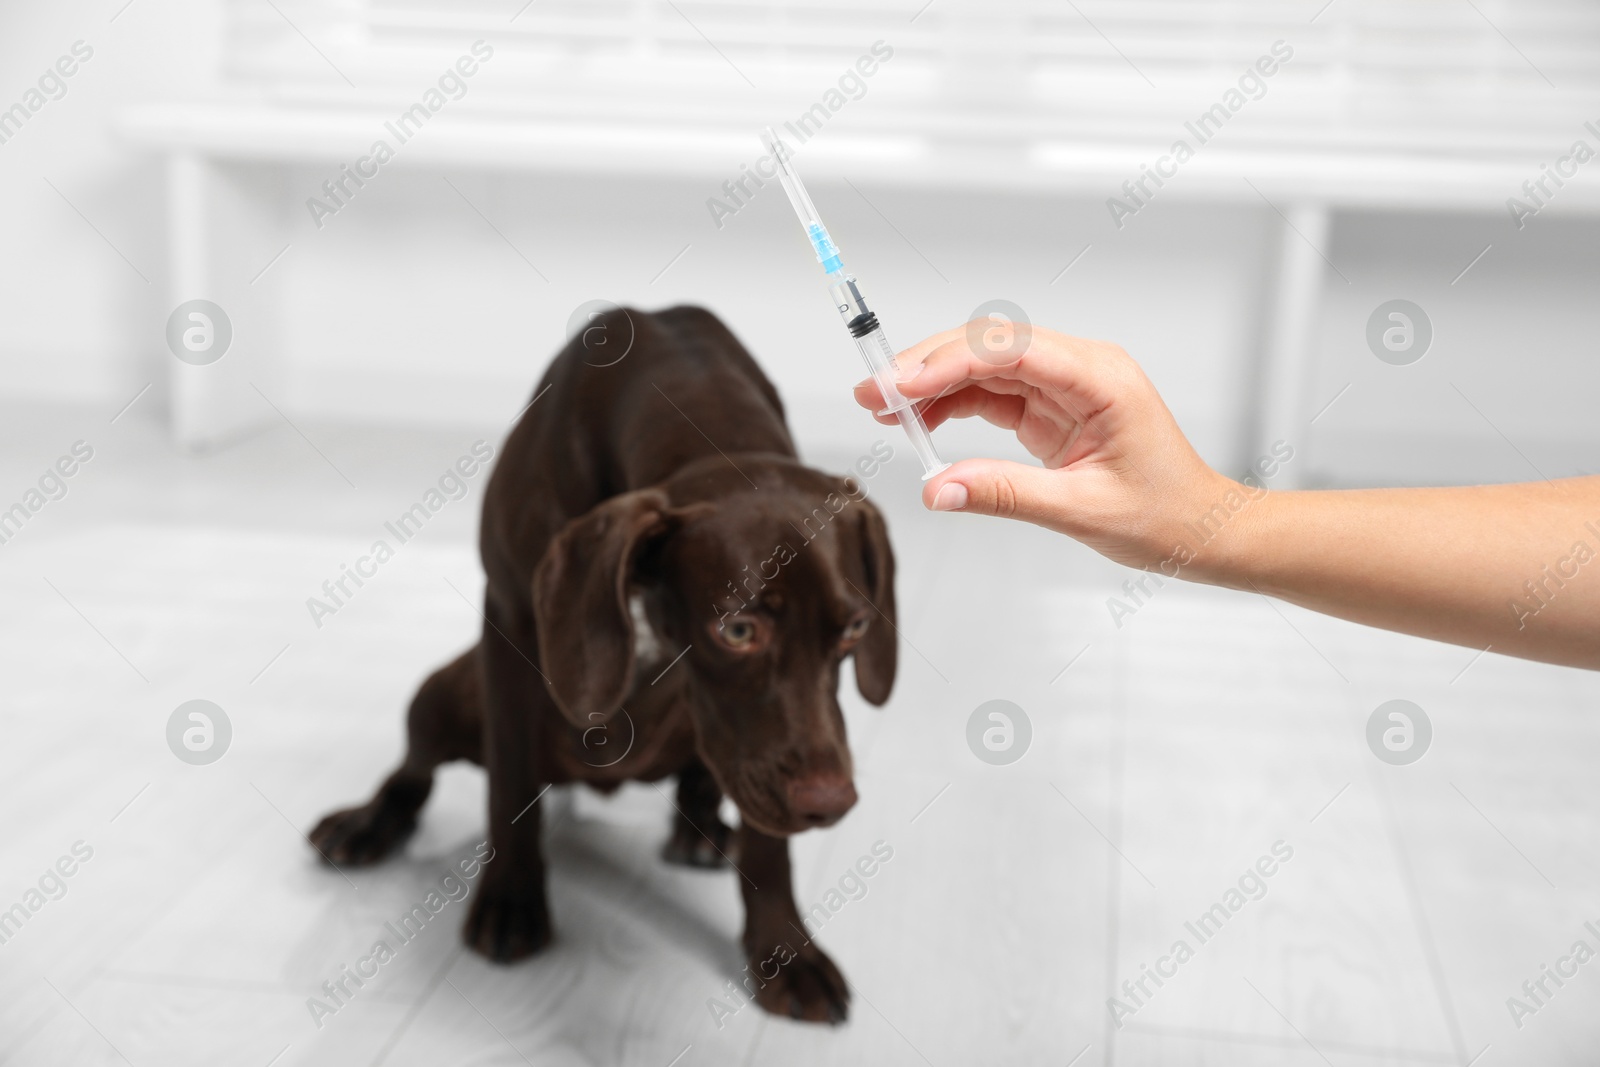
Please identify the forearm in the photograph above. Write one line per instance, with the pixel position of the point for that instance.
(1512, 567)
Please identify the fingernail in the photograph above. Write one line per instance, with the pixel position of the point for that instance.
(903, 375)
(952, 496)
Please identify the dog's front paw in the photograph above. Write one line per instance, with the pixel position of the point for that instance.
(688, 847)
(358, 836)
(507, 928)
(806, 986)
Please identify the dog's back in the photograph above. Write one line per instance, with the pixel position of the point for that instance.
(634, 397)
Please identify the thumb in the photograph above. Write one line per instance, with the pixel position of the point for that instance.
(997, 487)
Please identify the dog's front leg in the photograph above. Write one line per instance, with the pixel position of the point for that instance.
(510, 919)
(789, 974)
(699, 836)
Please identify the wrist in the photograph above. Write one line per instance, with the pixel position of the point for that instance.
(1221, 544)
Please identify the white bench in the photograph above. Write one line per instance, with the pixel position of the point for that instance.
(1408, 105)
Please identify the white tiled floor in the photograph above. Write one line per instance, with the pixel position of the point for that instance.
(1168, 757)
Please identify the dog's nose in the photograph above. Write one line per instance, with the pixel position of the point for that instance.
(822, 799)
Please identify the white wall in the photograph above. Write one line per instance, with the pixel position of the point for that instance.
(80, 324)
(413, 287)
(407, 307)
(1507, 390)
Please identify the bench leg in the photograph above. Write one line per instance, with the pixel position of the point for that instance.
(1284, 364)
(224, 226)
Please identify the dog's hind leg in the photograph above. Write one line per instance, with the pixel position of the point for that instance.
(699, 836)
(444, 724)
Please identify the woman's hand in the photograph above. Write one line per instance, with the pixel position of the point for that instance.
(1118, 474)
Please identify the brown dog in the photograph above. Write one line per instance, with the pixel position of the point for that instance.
(648, 509)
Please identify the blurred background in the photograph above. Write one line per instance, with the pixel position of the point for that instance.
(1340, 157)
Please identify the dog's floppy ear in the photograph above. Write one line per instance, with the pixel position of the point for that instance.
(877, 653)
(580, 603)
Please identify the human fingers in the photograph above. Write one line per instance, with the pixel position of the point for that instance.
(1003, 489)
(1090, 372)
(1004, 410)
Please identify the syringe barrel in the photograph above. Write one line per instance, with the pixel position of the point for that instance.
(879, 357)
(874, 346)
(921, 441)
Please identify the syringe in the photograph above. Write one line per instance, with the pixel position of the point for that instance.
(858, 318)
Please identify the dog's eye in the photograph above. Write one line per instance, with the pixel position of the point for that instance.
(854, 631)
(738, 634)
